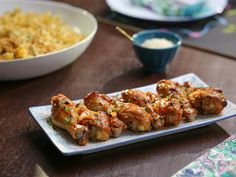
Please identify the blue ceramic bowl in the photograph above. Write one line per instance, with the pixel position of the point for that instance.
(155, 60)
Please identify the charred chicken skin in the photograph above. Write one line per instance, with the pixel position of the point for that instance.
(145, 100)
(173, 90)
(207, 100)
(64, 116)
(167, 88)
(170, 110)
(101, 102)
(122, 115)
(97, 123)
(134, 116)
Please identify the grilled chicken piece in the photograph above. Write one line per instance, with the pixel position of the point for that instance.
(136, 97)
(97, 122)
(167, 88)
(134, 116)
(153, 97)
(64, 116)
(172, 89)
(144, 99)
(189, 113)
(101, 102)
(170, 109)
(207, 100)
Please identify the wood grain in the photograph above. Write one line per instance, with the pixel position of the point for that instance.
(108, 65)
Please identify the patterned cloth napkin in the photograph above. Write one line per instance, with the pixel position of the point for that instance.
(219, 161)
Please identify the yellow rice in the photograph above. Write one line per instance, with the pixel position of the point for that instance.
(25, 35)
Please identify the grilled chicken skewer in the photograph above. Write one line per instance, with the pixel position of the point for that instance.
(64, 116)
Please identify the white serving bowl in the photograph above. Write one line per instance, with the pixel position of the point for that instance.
(41, 65)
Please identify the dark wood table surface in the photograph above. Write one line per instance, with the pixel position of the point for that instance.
(108, 65)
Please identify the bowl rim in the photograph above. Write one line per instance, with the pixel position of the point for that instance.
(63, 5)
(175, 35)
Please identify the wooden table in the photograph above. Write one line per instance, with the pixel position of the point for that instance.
(108, 65)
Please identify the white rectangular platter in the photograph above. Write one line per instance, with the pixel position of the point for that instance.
(66, 145)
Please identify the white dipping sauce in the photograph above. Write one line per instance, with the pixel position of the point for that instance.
(157, 43)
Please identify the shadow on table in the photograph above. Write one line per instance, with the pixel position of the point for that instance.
(133, 78)
(38, 83)
(183, 147)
